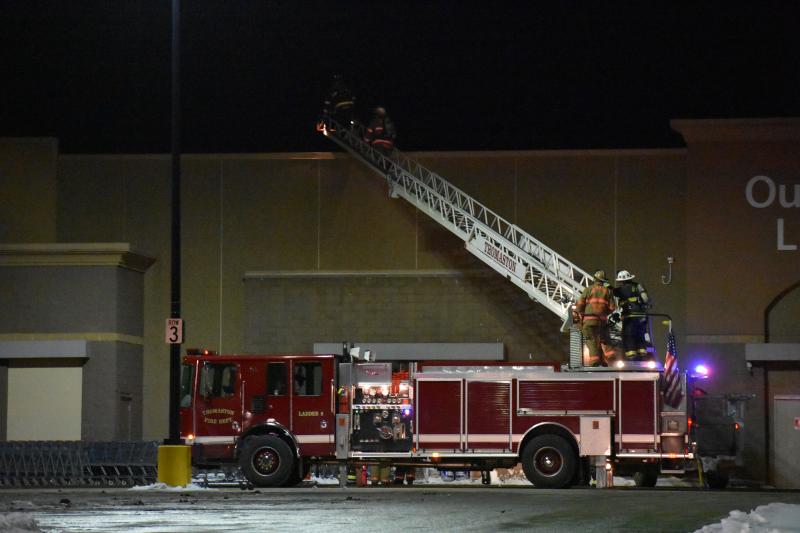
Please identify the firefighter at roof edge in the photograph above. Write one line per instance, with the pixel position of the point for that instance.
(381, 132)
(340, 102)
(635, 302)
(591, 312)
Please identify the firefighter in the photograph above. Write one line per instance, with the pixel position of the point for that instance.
(340, 102)
(381, 132)
(379, 474)
(635, 302)
(592, 310)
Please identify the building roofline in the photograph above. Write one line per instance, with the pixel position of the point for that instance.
(738, 129)
(316, 156)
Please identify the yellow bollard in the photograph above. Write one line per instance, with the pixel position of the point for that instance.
(175, 465)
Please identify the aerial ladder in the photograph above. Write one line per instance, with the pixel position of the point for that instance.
(546, 276)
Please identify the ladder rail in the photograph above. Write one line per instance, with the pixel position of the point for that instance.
(536, 268)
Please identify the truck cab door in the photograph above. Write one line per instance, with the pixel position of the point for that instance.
(312, 402)
(278, 397)
(219, 408)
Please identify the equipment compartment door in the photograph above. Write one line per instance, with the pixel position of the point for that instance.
(439, 414)
(312, 405)
(636, 418)
(488, 415)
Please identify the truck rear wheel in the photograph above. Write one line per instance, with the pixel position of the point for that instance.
(549, 462)
(266, 461)
(646, 478)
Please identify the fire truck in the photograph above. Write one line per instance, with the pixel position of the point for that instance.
(277, 414)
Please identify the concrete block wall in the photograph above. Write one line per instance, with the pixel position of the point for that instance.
(288, 313)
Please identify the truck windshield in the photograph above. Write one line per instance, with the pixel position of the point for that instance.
(187, 379)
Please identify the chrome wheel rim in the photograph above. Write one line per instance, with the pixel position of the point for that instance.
(266, 461)
(548, 461)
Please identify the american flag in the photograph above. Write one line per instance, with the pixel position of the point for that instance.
(673, 392)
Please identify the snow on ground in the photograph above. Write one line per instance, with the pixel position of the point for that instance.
(771, 518)
(18, 523)
(427, 477)
(164, 486)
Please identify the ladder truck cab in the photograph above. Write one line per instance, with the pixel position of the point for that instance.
(277, 414)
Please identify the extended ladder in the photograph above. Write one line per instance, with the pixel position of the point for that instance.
(543, 274)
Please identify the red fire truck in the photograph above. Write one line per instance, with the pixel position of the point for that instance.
(277, 414)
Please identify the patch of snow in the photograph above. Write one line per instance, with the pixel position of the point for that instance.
(623, 482)
(770, 518)
(18, 523)
(169, 488)
(324, 480)
(672, 481)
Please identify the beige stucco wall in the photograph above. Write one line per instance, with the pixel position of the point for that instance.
(28, 189)
(736, 267)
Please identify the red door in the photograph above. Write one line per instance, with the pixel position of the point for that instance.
(219, 407)
(312, 405)
(277, 392)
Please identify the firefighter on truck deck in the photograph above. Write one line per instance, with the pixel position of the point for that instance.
(592, 310)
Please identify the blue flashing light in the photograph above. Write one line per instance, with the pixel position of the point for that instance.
(701, 370)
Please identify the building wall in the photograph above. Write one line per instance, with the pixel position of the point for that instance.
(71, 341)
(737, 263)
(28, 196)
(325, 213)
(290, 312)
(301, 221)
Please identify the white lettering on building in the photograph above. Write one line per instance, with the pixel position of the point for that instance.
(761, 192)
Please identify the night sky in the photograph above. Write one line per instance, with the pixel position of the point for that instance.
(504, 75)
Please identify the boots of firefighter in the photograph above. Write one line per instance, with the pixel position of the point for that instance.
(385, 474)
(399, 474)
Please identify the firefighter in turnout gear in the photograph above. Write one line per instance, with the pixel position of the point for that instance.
(634, 302)
(340, 102)
(381, 132)
(592, 310)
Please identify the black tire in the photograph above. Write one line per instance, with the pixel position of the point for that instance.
(549, 462)
(716, 479)
(266, 461)
(295, 478)
(646, 478)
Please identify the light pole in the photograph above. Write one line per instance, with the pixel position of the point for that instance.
(175, 299)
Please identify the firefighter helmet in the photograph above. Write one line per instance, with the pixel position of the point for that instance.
(624, 275)
(600, 275)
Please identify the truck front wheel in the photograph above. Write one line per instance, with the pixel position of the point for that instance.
(549, 462)
(266, 461)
